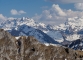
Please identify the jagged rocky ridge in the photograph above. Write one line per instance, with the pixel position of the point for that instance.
(28, 48)
(70, 29)
(28, 27)
(17, 23)
(63, 34)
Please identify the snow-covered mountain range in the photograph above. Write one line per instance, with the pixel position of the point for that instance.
(27, 26)
(71, 30)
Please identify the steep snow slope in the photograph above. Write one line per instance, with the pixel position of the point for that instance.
(25, 30)
(77, 44)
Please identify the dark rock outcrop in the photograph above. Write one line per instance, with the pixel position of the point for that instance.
(28, 48)
(76, 44)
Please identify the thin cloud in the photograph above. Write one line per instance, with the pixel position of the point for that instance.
(2, 17)
(15, 12)
(66, 1)
(79, 6)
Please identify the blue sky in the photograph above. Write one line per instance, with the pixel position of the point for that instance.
(29, 6)
(41, 10)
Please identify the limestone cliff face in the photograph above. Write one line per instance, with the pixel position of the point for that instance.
(28, 48)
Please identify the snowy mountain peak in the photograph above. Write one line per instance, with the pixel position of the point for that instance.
(75, 22)
(27, 26)
(64, 32)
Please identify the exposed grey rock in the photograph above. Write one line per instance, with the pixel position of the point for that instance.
(28, 48)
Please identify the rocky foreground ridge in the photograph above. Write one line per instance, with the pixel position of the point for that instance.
(28, 48)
